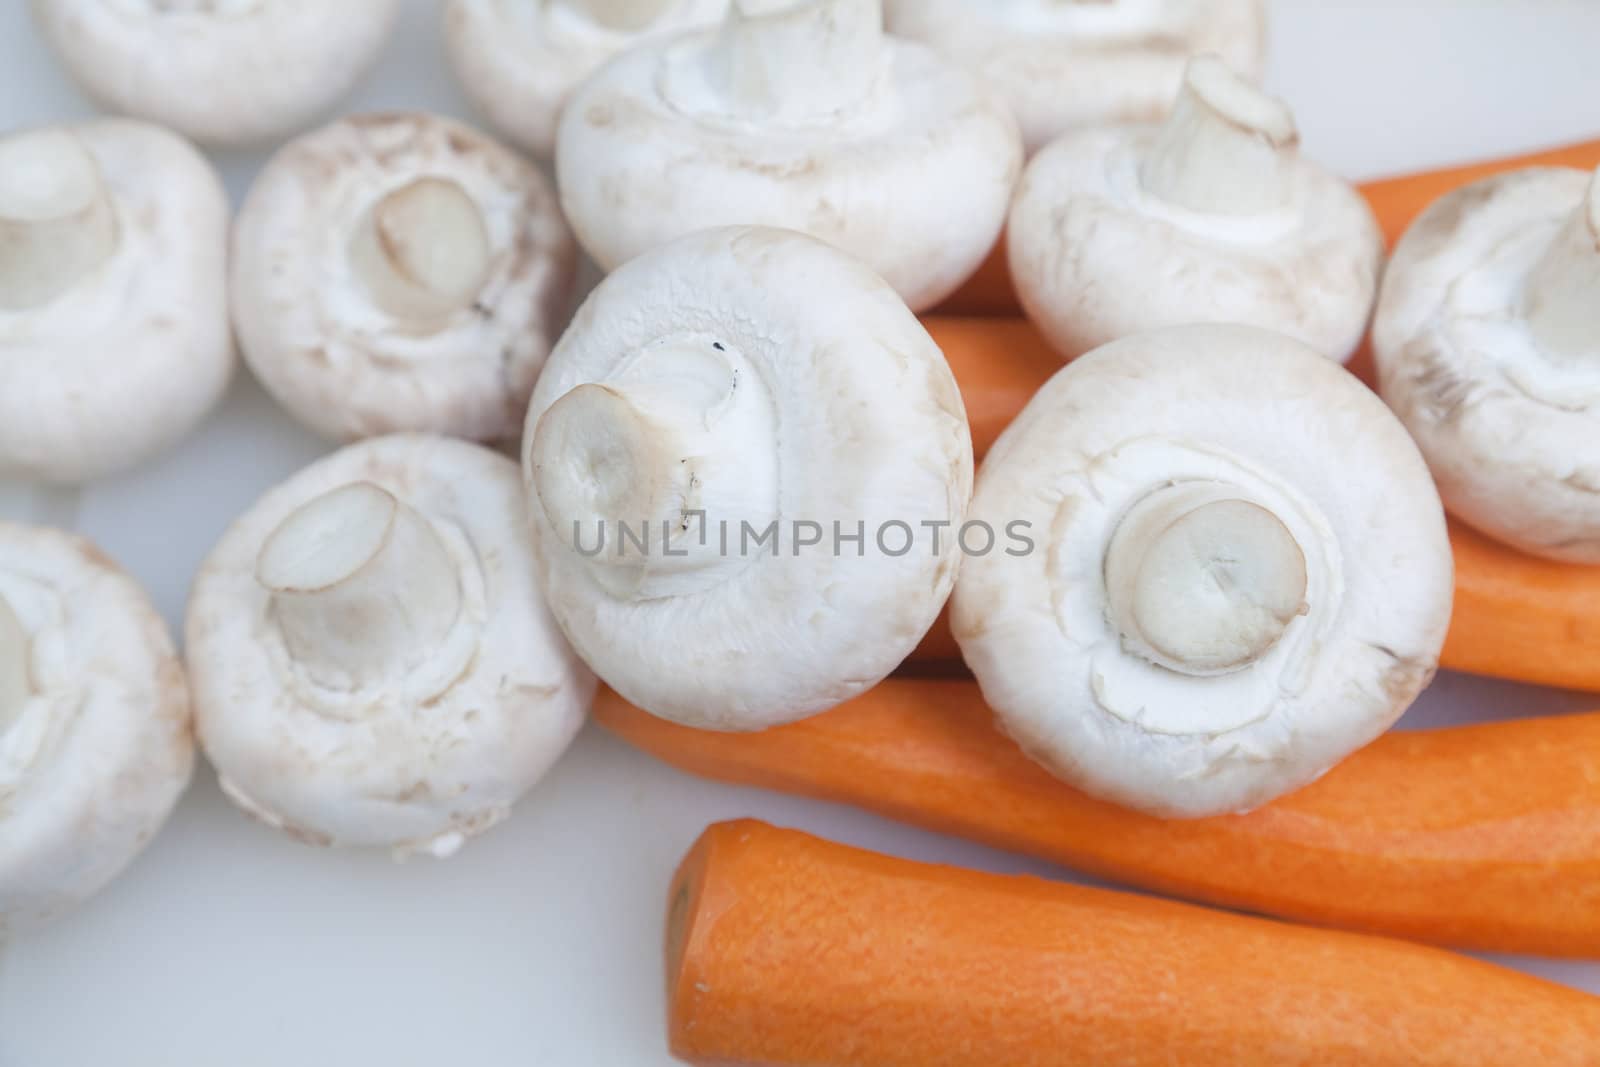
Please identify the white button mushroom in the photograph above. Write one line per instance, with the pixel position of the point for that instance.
(114, 337)
(371, 659)
(747, 465)
(1231, 571)
(95, 738)
(219, 71)
(1065, 64)
(801, 115)
(400, 272)
(1487, 343)
(520, 61)
(1212, 217)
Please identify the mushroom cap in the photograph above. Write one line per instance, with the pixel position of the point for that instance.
(419, 762)
(1509, 437)
(96, 758)
(864, 426)
(1062, 66)
(1095, 256)
(134, 354)
(223, 72)
(519, 62)
(1259, 417)
(318, 337)
(914, 179)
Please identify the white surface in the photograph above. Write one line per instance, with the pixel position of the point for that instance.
(539, 943)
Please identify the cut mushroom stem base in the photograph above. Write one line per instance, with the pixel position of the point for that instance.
(1200, 581)
(56, 219)
(632, 472)
(362, 586)
(1228, 148)
(423, 251)
(1562, 300)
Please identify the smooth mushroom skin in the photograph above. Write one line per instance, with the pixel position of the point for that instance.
(96, 740)
(519, 60)
(114, 335)
(1211, 217)
(1062, 66)
(372, 662)
(746, 379)
(801, 115)
(218, 71)
(1214, 609)
(1487, 342)
(400, 272)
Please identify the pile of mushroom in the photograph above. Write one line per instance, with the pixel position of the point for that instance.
(740, 460)
(800, 114)
(1241, 572)
(400, 272)
(114, 338)
(219, 71)
(1211, 217)
(371, 659)
(519, 62)
(1487, 343)
(1065, 65)
(95, 739)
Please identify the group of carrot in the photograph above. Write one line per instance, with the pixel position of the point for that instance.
(1483, 837)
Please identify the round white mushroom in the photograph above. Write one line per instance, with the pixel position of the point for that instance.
(95, 738)
(219, 71)
(801, 115)
(747, 465)
(400, 272)
(1211, 217)
(1233, 571)
(519, 61)
(114, 337)
(1488, 348)
(371, 659)
(1065, 65)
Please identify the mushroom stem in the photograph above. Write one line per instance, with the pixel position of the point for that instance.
(1201, 581)
(362, 587)
(57, 222)
(1227, 149)
(787, 61)
(1562, 299)
(16, 683)
(423, 250)
(643, 473)
(623, 16)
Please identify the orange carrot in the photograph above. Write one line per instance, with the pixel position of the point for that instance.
(786, 950)
(1396, 201)
(1483, 837)
(1516, 617)
(998, 363)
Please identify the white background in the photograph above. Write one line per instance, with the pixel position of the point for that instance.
(539, 944)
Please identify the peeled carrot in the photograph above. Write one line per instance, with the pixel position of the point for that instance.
(786, 950)
(998, 363)
(1516, 617)
(1482, 837)
(1396, 201)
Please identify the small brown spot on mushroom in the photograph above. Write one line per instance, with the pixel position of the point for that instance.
(600, 115)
